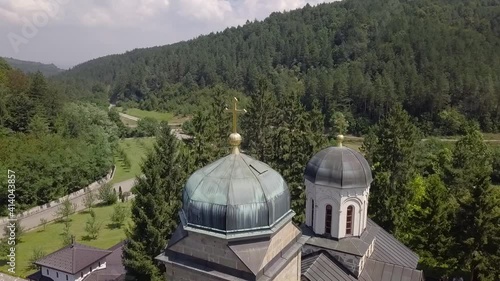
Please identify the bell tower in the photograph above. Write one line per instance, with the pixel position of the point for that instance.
(337, 183)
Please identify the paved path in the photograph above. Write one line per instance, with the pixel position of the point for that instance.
(124, 115)
(33, 221)
(5, 277)
(129, 116)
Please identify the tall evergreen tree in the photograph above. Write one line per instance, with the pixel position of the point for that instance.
(294, 143)
(259, 122)
(155, 208)
(477, 222)
(430, 222)
(392, 153)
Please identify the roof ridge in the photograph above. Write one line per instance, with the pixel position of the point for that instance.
(391, 263)
(230, 184)
(94, 250)
(259, 182)
(73, 263)
(53, 253)
(221, 160)
(355, 153)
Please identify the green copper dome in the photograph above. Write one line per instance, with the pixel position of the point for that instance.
(235, 194)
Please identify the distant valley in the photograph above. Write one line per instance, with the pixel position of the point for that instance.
(32, 67)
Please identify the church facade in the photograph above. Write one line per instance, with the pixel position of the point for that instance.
(236, 224)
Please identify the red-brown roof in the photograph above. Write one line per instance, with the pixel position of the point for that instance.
(73, 258)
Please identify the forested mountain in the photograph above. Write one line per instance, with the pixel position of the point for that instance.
(438, 58)
(54, 146)
(33, 67)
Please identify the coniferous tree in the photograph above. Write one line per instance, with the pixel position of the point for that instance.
(430, 222)
(477, 221)
(200, 127)
(294, 143)
(260, 122)
(392, 153)
(155, 207)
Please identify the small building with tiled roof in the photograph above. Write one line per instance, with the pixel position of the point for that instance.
(78, 262)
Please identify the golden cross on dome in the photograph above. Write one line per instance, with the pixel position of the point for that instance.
(235, 112)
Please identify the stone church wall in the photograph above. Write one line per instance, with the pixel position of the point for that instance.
(175, 273)
(279, 241)
(292, 271)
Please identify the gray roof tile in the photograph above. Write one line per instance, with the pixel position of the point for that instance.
(73, 258)
(115, 270)
(321, 267)
(380, 271)
(339, 167)
(352, 245)
(388, 249)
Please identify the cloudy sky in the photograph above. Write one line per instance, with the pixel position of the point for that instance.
(68, 32)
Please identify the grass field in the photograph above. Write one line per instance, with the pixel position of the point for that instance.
(136, 150)
(160, 116)
(49, 239)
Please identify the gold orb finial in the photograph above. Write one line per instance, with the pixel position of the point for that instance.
(340, 139)
(235, 141)
(235, 138)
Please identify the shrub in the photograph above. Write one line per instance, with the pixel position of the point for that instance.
(108, 194)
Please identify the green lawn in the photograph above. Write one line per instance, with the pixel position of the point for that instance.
(135, 149)
(49, 240)
(160, 116)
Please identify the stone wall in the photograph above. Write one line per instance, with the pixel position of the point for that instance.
(93, 186)
(177, 273)
(292, 271)
(279, 241)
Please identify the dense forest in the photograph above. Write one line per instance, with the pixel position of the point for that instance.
(439, 59)
(390, 70)
(33, 67)
(439, 198)
(53, 145)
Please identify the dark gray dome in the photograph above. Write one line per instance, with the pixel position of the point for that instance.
(234, 194)
(339, 167)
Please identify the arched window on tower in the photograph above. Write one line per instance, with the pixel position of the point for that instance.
(328, 220)
(312, 213)
(349, 220)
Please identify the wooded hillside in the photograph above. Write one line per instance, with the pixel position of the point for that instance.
(439, 59)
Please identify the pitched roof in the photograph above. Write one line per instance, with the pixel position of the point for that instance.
(391, 260)
(381, 271)
(73, 258)
(389, 250)
(115, 270)
(321, 267)
(351, 245)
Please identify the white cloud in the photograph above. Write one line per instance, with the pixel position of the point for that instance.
(204, 10)
(86, 29)
(122, 12)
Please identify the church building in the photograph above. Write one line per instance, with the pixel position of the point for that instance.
(236, 224)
